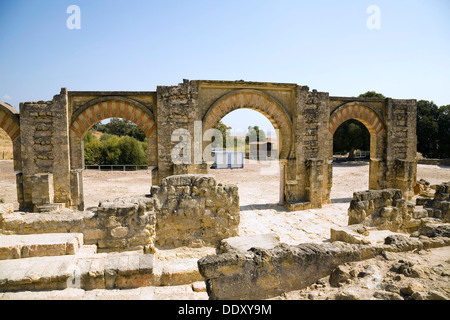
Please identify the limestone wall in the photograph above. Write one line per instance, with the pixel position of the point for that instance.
(384, 209)
(260, 273)
(45, 176)
(439, 206)
(126, 224)
(185, 210)
(193, 210)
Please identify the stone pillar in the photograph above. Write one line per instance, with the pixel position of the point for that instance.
(314, 169)
(176, 112)
(42, 191)
(61, 151)
(401, 146)
(76, 188)
(308, 174)
(45, 176)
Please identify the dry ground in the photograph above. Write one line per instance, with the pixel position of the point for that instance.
(259, 195)
(260, 213)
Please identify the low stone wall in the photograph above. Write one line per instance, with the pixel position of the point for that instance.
(185, 210)
(193, 210)
(439, 206)
(261, 274)
(126, 224)
(265, 273)
(383, 209)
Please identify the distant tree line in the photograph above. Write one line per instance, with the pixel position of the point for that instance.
(433, 129)
(121, 127)
(122, 143)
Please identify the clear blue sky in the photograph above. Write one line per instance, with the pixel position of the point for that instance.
(137, 45)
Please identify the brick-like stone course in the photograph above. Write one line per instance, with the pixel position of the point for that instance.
(193, 210)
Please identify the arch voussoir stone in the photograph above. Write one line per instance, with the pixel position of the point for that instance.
(112, 107)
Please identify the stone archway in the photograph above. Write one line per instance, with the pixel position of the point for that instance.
(112, 107)
(100, 109)
(269, 107)
(355, 110)
(374, 123)
(258, 101)
(10, 123)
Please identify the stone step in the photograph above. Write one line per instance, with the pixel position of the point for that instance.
(50, 207)
(39, 245)
(182, 292)
(89, 271)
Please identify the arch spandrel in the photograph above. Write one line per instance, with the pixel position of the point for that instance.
(361, 112)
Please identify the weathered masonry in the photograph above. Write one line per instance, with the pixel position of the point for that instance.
(48, 135)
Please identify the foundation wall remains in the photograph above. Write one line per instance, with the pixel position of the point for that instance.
(185, 210)
(264, 273)
(193, 210)
(383, 209)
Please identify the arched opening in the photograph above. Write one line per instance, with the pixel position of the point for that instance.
(113, 141)
(251, 136)
(351, 160)
(8, 191)
(247, 105)
(10, 160)
(355, 126)
(248, 156)
(115, 161)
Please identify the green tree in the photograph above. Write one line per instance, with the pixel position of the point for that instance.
(92, 150)
(121, 127)
(111, 151)
(255, 134)
(351, 135)
(131, 151)
(427, 128)
(444, 131)
(371, 94)
(225, 130)
(114, 150)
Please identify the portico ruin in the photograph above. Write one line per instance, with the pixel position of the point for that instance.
(48, 136)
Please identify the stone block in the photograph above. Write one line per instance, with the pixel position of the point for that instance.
(245, 243)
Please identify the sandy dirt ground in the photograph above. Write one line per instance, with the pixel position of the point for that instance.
(259, 188)
(260, 213)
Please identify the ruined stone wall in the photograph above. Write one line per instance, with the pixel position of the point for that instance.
(383, 209)
(126, 224)
(193, 210)
(439, 206)
(50, 150)
(185, 210)
(176, 110)
(260, 273)
(401, 145)
(312, 146)
(264, 273)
